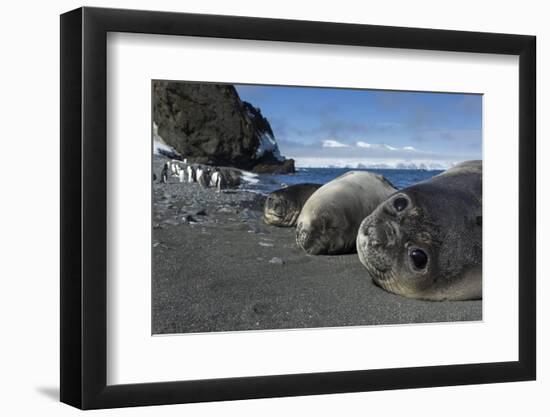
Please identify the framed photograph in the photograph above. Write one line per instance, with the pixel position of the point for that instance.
(257, 208)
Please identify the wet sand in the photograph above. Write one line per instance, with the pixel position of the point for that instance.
(218, 267)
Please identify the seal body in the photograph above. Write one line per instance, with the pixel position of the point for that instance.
(282, 207)
(425, 241)
(330, 218)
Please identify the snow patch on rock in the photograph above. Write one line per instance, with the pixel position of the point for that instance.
(159, 145)
(268, 145)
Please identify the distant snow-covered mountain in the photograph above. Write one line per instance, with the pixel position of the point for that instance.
(374, 164)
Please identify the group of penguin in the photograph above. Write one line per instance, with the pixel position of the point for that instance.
(205, 176)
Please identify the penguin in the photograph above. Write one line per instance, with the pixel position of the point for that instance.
(214, 178)
(198, 174)
(164, 173)
(175, 168)
(202, 177)
(191, 175)
(221, 183)
(206, 177)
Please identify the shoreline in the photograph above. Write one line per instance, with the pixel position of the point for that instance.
(218, 267)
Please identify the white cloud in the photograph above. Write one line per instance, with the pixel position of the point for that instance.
(382, 146)
(370, 154)
(363, 144)
(334, 144)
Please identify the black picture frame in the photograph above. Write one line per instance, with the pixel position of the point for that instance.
(84, 207)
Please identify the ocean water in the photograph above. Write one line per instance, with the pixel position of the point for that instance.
(266, 183)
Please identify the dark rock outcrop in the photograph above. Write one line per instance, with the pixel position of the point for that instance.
(209, 124)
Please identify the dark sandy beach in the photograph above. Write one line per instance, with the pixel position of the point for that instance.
(218, 267)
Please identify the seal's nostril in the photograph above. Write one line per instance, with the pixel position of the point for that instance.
(376, 237)
(366, 231)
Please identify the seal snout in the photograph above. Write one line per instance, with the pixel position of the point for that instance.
(302, 236)
(274, 207)
(373, 241)
(379, 234)
(374, 236)
(306, 240)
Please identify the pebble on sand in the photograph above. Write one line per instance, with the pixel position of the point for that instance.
(188, 219)
(276, 261)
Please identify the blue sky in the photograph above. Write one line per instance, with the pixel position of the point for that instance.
(329, 126)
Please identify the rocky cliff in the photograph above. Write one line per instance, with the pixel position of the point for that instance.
(209, 124)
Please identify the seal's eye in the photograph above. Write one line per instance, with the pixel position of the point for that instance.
(419, 258)
(400, 203)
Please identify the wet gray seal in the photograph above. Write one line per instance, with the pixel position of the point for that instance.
(425, 240)
(330, 219)
(282, 207)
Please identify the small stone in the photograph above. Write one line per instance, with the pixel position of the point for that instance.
(254, 229)
(156, 244)
(267, 245)
(247, 214)
(189, 219)
(276, 261)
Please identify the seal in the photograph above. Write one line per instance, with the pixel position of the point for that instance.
(425, 241)
(282, 207)
(330, 218)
